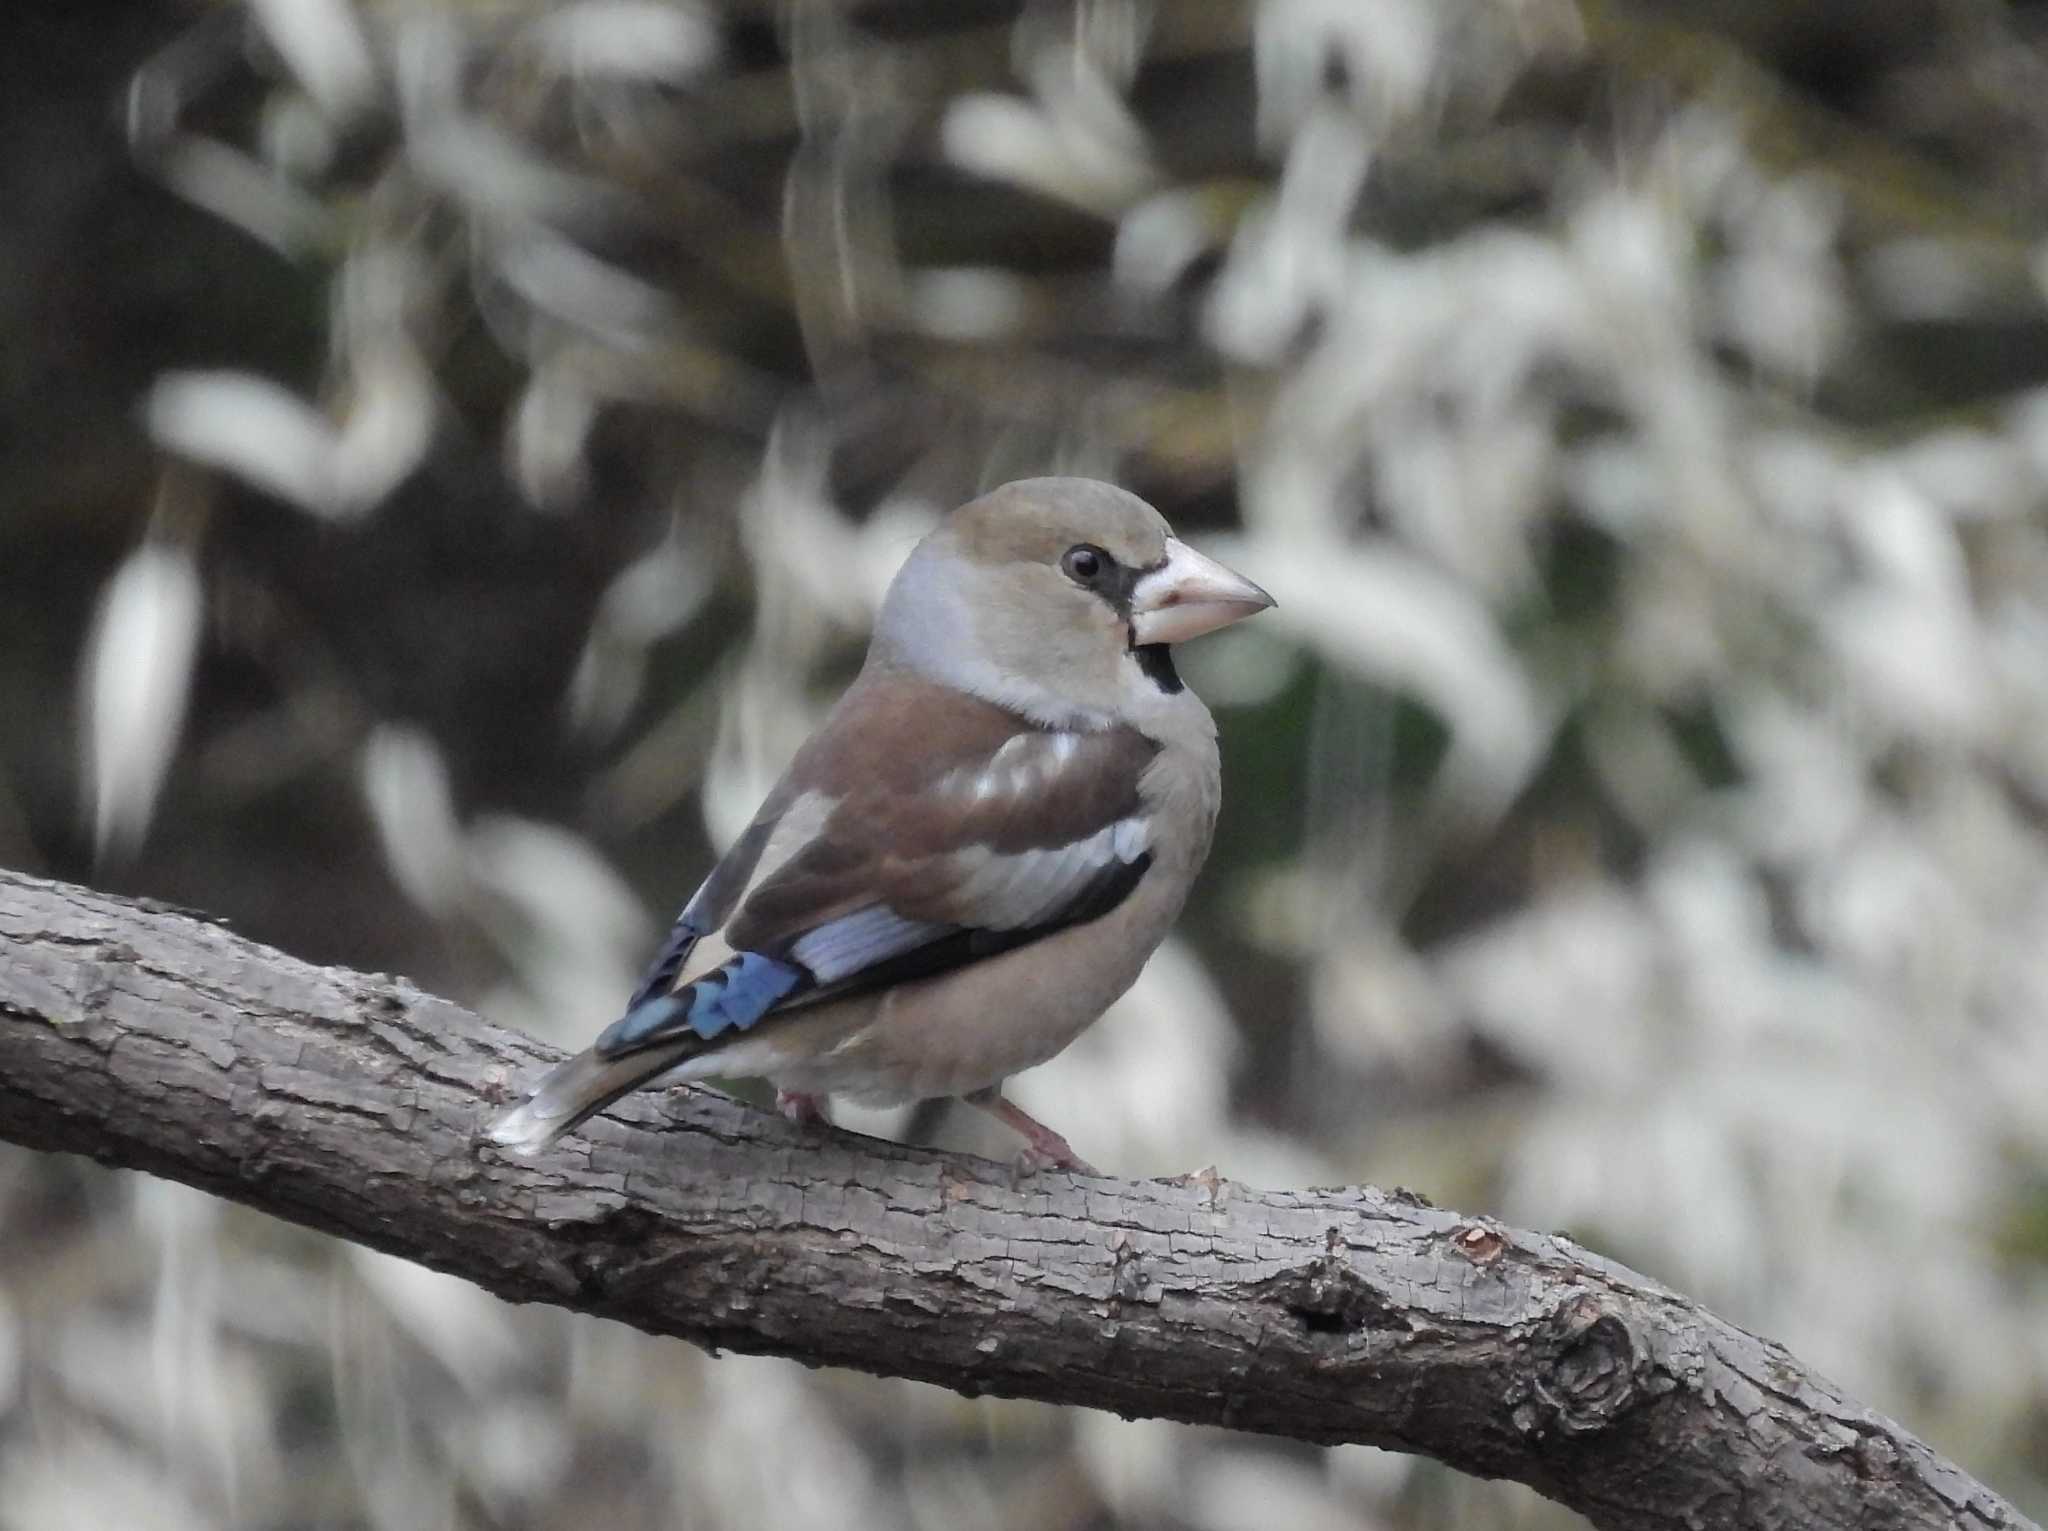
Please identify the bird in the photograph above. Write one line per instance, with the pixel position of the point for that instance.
(974, 854)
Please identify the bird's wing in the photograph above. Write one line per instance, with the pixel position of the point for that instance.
(919, 830)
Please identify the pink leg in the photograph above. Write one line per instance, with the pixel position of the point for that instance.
(1044, 1148)
(804, 1110)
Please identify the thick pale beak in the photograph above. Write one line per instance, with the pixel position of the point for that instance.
(1190, 595)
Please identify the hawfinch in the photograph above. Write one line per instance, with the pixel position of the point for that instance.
(978, 849)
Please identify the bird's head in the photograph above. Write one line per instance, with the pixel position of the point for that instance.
(1057, 597)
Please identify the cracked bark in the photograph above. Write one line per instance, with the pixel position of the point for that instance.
(149, 1038)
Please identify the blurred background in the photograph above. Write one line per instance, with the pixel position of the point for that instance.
(450, 452)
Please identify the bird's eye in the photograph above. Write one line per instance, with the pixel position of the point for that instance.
(1084, 564)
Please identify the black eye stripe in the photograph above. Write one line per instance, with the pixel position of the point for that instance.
(1113, 581)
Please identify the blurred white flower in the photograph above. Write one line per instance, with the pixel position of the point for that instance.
(276, 442)
(412, 805)
(248, 426)
(137, 676)
(1160, 237)
(323, 43)
(1389, 52)
(662, 40)
(653, 597)
(1092, 160)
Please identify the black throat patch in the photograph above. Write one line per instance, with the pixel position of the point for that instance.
(1156, 660)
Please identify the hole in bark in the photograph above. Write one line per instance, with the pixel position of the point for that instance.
(1323, 1323)
(600, 1249)
(1329, 1297)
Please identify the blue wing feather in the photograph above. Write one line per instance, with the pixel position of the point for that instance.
(675, 951)
(733, 997)
(842, 947)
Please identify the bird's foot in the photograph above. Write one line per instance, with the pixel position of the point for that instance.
(804, 1110)
(1044, 1149)
(1033, 1159)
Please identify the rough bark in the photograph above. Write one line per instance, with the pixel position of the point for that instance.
(351, 1103)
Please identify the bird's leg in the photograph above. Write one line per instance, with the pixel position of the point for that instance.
(1043, 1148)
(804, 1110)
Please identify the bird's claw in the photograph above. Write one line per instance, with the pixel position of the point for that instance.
(1036, 1158)
(1044, 1149)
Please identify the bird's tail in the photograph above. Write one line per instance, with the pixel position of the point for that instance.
(578, 1088)
(650, 1039)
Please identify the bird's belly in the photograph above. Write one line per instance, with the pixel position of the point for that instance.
(974, 1027)
(956, 1034)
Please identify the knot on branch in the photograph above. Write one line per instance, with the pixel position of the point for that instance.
(1329, 1297)
(1482, 1245)
(603, 1251)
(1589, 1369)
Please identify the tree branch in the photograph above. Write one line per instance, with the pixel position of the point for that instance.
(151, 1039)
